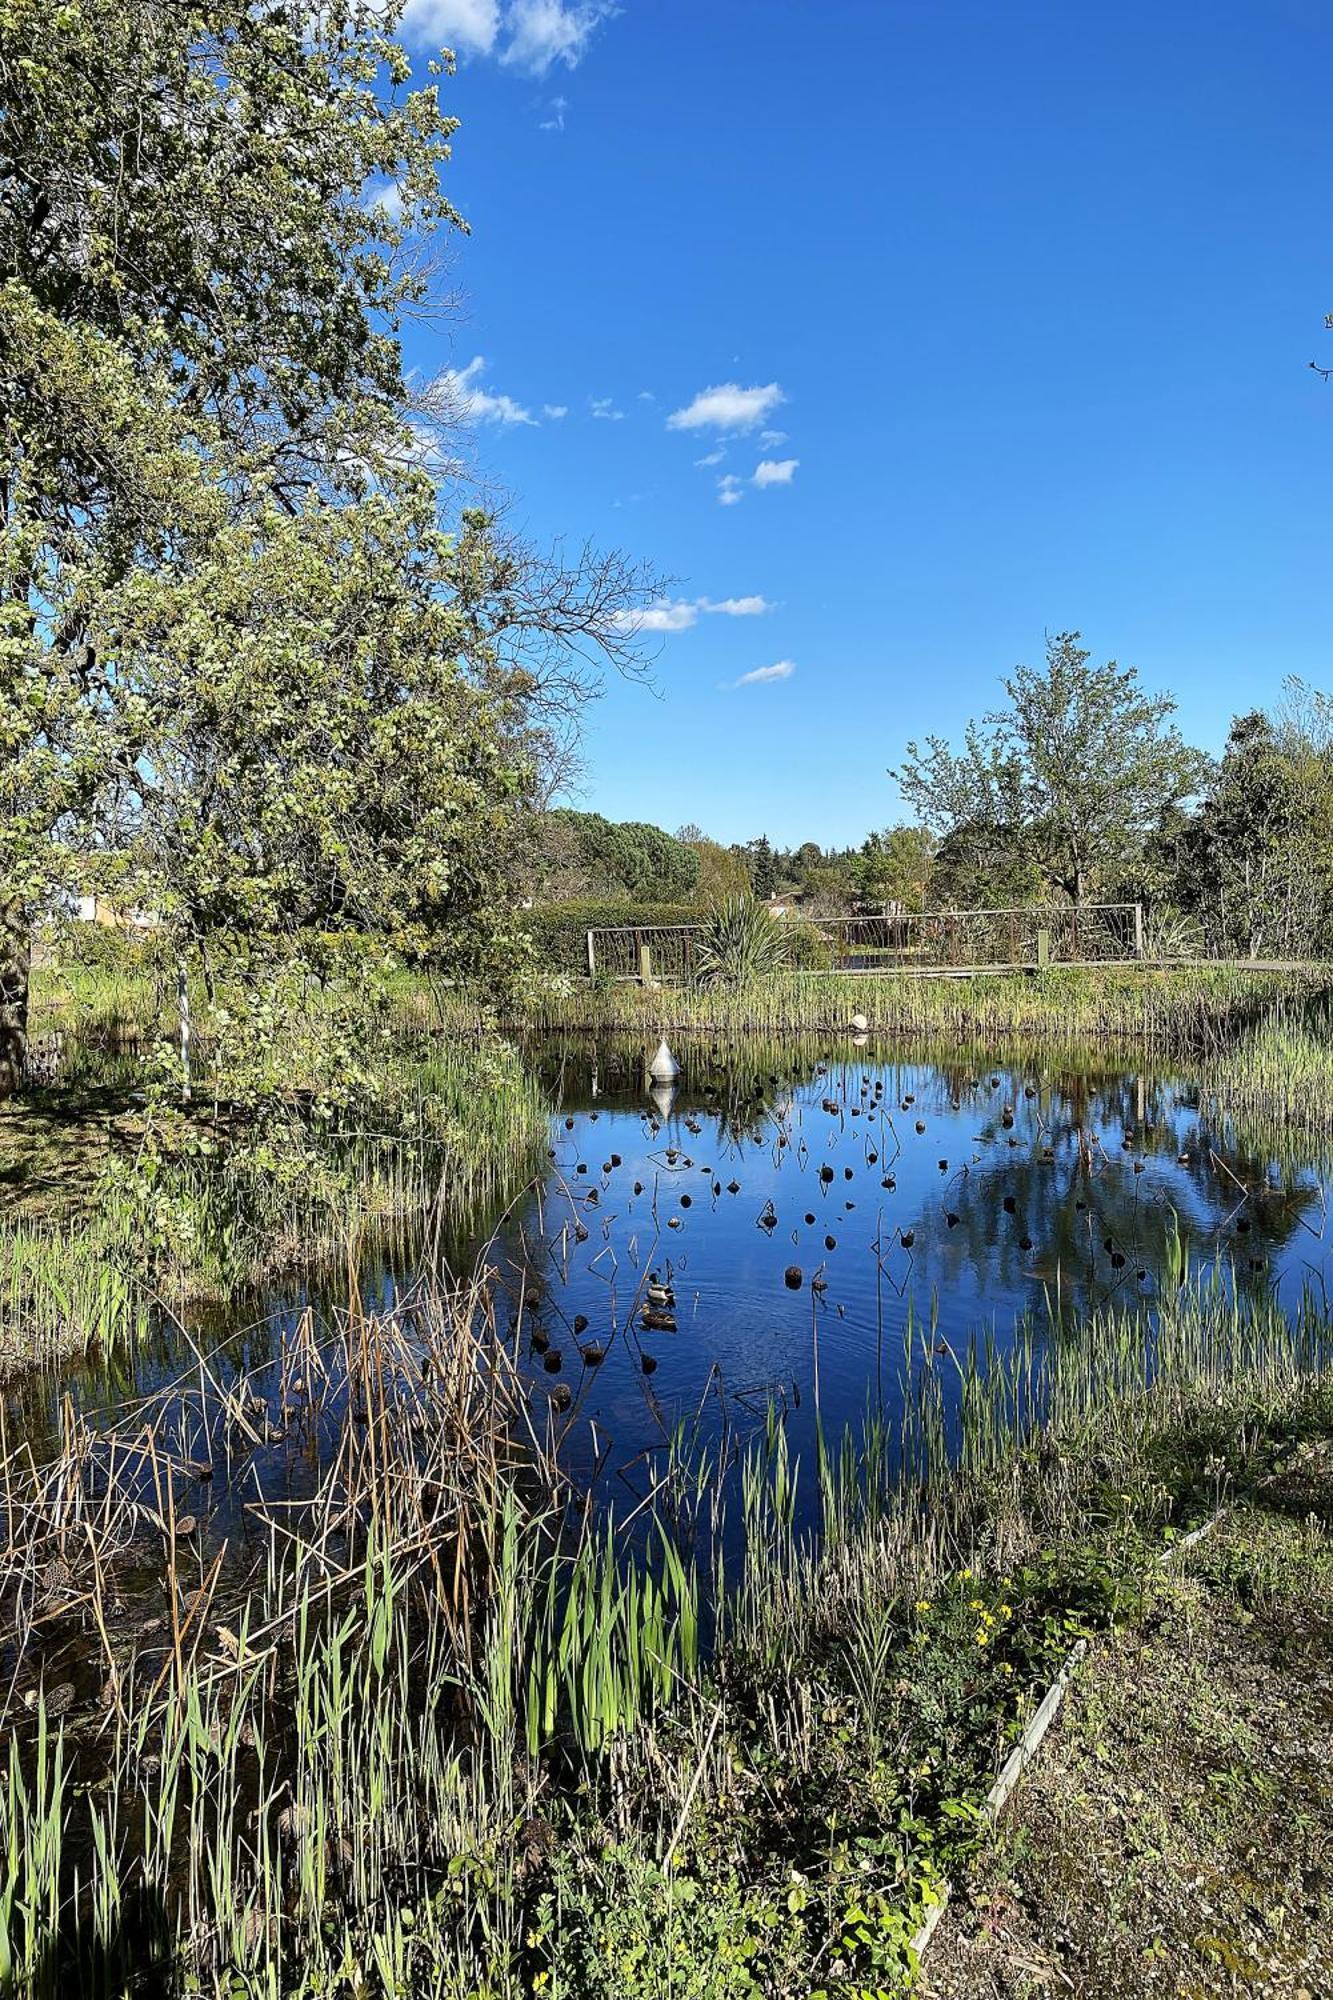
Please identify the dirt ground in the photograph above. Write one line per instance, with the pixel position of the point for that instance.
(1175, 1835)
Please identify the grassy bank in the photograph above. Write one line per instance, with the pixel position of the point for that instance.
(1191, 1009)
(448, 1741)
(1175, 1834)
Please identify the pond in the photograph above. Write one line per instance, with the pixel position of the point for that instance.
(772, 1232)
(775, 1232)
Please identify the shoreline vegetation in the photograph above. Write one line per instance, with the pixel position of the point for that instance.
(454, 1735)
(447, 1743)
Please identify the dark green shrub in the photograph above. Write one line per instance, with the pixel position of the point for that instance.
(559, 931)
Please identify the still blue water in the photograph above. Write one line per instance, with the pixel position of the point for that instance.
(798, 1216)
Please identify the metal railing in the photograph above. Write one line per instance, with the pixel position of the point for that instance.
(1027, 936)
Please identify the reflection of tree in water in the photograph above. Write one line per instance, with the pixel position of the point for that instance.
(1076, 1173)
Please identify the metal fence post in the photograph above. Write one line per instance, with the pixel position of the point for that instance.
(1043, 949)
(592, 957)
(1138, 930)
(645, 965)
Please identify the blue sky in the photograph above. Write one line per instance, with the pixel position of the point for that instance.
(1019, 300)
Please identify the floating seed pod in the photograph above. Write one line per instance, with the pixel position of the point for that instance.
(593, 1355)
(561, 1396)
(1010, 1205)
(908, 1238)
(944, 1166)
(569, 1124)
(686, 1200)
(1138, 1166)
(809, 1220)
(733, 1187)
(540, 1339)
(819, 1283)
(648, 1363)
(847, 1173)
(888, 1182)
(638, 1187)
(920, 1124)
(580, 1323)
(792, 1277)
(582, 1167)
(552, 1362)
(830, 1242)
(826, 1174)
(871, 1157)
(615, 1159)
(951, 1218)
(1025, 1242)
(1118, 1259)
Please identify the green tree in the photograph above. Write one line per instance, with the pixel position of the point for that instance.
(723, 876)
(1258, 858)
(763, 868)
(210, 228)
(1073, 775)
(894, 867)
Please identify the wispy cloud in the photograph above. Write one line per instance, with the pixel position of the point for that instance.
(555, 411)
(545, 32)
(712, 457)
(604, 409)
(557, 108)
(531, 35)
(736, 607)
(772, 437)
(471, 27)
(678, 614)
(775, 471)
(461, 389)
(729, 490)
(781, 670)
(727, 407)
(386, 195)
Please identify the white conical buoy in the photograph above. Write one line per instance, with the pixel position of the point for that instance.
(663, 1068)
(663, 1096)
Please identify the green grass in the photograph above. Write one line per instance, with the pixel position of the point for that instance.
(1195, 1009)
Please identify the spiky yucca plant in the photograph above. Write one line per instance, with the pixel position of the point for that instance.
(740, 942)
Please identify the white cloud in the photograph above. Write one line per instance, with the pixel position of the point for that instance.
(775, 471)
(665, 616)
(736, 607)
(462, 388)
(680, 613)
(729, 490)
(555, 411)
(647, 396)
(772, 437)
(471, 27)
(544, 32)
(604, 409)
(387, 195)
(556, 122)
(781, 670)
(712, 457)
(727, 407)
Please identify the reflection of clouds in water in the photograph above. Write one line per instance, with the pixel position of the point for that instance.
(1063, 1185)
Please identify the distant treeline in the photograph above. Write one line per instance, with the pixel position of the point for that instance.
(1078, 788)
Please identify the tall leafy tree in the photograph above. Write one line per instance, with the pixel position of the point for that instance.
(211, 225)
(1073, 774)
(1258, 857)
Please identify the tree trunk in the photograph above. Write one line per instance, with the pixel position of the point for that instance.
(15, 963)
